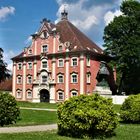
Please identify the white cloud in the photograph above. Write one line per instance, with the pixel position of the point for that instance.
(7, 58)
(80, 17)
(5, 11)
(109, 16)
(28, 40)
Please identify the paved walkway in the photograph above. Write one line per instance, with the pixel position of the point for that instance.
(45, 109)
(22, 129)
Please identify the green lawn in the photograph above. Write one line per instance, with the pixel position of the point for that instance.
(36, 117)
(123, 132)
(37, 105)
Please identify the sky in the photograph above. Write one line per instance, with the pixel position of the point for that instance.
(21, 18)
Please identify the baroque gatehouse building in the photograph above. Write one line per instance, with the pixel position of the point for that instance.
(61, 62)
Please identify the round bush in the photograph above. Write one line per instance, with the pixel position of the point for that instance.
(130, 110)
(86, 116)
(9, 112)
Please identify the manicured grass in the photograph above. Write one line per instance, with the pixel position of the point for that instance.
(123, 132)
(36, 117)
(37, 105)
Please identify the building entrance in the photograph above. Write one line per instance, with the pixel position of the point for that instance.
(44, 95)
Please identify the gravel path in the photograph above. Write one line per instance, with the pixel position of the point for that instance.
(21, 129)
(45, 109)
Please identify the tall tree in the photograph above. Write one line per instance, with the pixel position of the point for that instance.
(122, 41)
(4, 72)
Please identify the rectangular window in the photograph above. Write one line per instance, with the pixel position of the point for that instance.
(29, 80)
(74, 78)
(74, 62)
(29, 94)
(19, 66)
(88, 78)
(60, 63)
(60, 79)
(44, 48)
(19, 80)
(60, 96)
(44, 79)
(44, 64)
(18, 94)
(30, 65)
(88, 61)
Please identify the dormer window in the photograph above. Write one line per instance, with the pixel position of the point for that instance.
(60, 48)
(30, 51)
(44, 48)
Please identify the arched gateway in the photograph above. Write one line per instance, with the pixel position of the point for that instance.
(44, 95)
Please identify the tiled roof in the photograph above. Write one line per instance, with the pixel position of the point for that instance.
(68, 32)
(6, 85)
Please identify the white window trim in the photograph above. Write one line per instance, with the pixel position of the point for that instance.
(29, 97)
(58, 95)
(17, 79)
(59, 49)
(28, 79)
(72, 61)
(18, 66)
(58, 78)
(74, 91)
(42, 64)
(88, 80)
(88, 62)
(29, 65)
(20, 91)
(42, 48)
(59, 63)
(30, 52)
(72, 78)
(42, 78)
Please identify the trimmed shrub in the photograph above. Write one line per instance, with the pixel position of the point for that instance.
(87, 116)
(9, 112)
(130, 109)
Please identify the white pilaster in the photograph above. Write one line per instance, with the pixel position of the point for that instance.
(24, 81)
(53, 69)
(54, 44)
(82, 74)
(14, 80)
(67, 79)
(35, 69)
(52, 94)
(35, 51)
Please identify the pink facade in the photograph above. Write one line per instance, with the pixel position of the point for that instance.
(60, 63)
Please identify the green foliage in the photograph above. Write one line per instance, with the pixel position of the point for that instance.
(4, 72)
(122, 41)
(9, 112)
(130, 110)
(87, 116)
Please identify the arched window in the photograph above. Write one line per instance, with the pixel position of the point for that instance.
(19, 93)
(60, 48)
(30, 51)
(19, 67)
(19, 79)
(60, 95)
(29, 93)
(88, 77)
(74, 93)
(29, 79)
(60, 63)
(44, 48)
(74, 78)
(30, 65)
(60, 78)
(74, 61)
